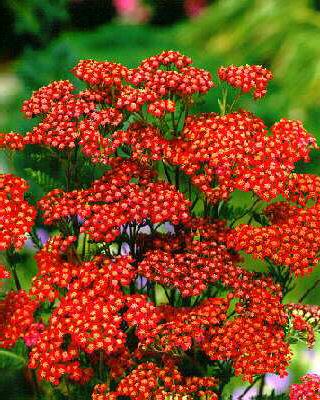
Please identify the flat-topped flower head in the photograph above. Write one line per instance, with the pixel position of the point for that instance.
(246, 78)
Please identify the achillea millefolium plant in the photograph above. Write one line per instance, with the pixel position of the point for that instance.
(142, 291)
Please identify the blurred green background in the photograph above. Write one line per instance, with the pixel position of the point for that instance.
(42, 41)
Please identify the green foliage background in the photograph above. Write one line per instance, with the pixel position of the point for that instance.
(283, 35)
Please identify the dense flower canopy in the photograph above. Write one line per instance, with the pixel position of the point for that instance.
(142, 290)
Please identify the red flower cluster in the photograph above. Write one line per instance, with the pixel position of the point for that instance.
(4, 274)
(43, 99)
(143, 315)
(184, 81)
(160, 107)
(105, 74)
(189, 265)
(292, 239)
(300, 324)
(16, 317)
(166, 58)
(186, 328)
(302, 188)
(224, 153)
(246, 339)
(16, 215)
(108, 206)
(141, 286)
(187, 81)
(255, 332)
(256, 348)
(157, 202)
(247, 77)
(54, 273)
(150, 382)
(308, 389)
(87, 319)
(59, 129)
(132, 99)
(11, 141)
(309, 312)
(306, 318)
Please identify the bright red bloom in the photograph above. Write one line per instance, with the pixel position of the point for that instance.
(150, 382)
(106, 74)
(108, 206)
(141, 285)
(87, 319)
(4, 274)
(302, 188)
(247, 77)
(16, 317)
(306, 319)
(291, 240)
(188, 265)
(234, 151)
(308, 389)
(43, 99)
(11, 141)
(16, 215)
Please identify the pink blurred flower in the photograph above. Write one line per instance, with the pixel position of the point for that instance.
(194, 7)
(33, 334)
(131, 10)
(276, 382)
(125, 6)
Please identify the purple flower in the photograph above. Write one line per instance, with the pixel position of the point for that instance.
(169, 228)
(141, 282)
(145, 229)
(277, 383)
(125, 249)
(43, 235)
(248, 396)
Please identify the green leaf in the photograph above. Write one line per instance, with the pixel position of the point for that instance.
(260, 218)
(11, 360)
(42, 179)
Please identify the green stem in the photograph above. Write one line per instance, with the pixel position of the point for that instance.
(12, 265)
(261, 386)
(183, 109)
(174, 128)
(245, 213)
(101, 364)
(83, 250)
(223, 102)
(195, 201)
(167, 173)
(235, 100)
(189, 190)
(249, 387)
(36, 384)
(35, 239)
(15, 277)
(177, 177)
(225, 373)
